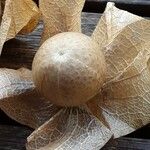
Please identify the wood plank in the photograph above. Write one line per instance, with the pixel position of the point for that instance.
(139, 7)
(117, 1)
(19, 52)
(14, 138)
(125, 143)
(134, 2)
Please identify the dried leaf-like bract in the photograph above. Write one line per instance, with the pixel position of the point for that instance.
(2, 4)
(125, 97)
(20, 100)
(121, 106)
(61, 16)
(71, 128)
(17, 16)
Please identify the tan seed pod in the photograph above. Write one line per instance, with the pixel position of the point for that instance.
(69, 69)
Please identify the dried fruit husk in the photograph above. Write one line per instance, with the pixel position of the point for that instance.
(60, 16)
(17, 15)
(71, 66)
(2, 4)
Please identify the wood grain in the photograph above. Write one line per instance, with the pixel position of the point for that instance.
(139, 7)
(19, 52)
(14, 138)
(125, 143)
(140, 2)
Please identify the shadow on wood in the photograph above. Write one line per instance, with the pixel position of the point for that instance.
(14, 138)
(139, 7)
(19, 52)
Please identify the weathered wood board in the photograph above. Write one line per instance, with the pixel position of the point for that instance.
(19, 52)
(139, 7)
(14, 138)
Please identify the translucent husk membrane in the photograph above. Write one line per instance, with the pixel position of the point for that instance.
(17, 16)
(122, 105)
(2, 4)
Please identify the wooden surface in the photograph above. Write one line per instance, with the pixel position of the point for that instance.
(118, 1)
(133, 2)
(19, 52)
(139, 7)
(125, 143)
(14, 138)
